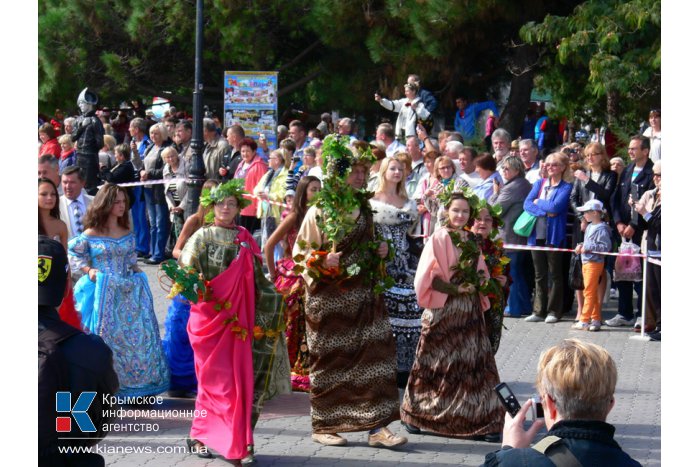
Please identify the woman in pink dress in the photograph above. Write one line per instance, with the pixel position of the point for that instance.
(222, 326)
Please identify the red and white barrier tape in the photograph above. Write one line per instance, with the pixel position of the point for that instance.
(153, 182)
(171, 180)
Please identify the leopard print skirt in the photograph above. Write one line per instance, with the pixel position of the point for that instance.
(450, 388)
(352, 359)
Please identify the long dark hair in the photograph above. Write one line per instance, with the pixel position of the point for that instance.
(98, 212)
(300, 203)
(54, 212)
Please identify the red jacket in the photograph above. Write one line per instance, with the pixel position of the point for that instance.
(256, 171)
(51, 147)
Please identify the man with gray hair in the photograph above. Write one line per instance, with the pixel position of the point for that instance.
(500, 141)
(345, 128)
(528, 154)
(68, 125)
(214, 149)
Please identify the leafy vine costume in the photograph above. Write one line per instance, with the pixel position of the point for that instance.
(352, 356)
(450, 388)
(234, 327)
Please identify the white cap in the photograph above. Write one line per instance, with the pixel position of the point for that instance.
(591, 205)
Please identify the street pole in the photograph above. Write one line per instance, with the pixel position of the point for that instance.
(195, 177)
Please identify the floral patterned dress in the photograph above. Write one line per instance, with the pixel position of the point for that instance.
(118, 307)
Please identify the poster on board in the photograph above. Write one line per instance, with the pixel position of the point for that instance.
(250, 99)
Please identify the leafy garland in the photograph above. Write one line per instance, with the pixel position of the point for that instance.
(465, 269)
(186, 281)
(337, 201)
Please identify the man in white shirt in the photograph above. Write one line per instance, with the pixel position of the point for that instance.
(466, 163)
(528, 154)
(75, 201)
(385, 134)
(418, 169)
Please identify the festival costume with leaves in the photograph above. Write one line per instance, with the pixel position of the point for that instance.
(352, 356)
(235, 330)
(450, 388)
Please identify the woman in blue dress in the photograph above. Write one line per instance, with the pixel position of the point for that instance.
(114, 297)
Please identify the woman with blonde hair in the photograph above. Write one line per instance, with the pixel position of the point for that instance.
(394, 216)
(597, 181)
(548, 201)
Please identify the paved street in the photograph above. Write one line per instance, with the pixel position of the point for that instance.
(282, 436)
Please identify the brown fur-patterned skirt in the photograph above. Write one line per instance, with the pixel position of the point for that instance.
(352, 360)
(450, 389)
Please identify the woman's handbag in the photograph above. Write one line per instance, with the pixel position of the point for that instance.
(576, 273)
(524, 225)
(628, 268)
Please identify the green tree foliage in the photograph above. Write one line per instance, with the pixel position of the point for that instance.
(330, 53)
(603, 61)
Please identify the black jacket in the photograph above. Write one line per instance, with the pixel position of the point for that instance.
(121, 173)
(621, 210)
(602, 190)
(590, 441)
(230, 162)
(88, 367)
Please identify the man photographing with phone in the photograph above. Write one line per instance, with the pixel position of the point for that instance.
(576, 382)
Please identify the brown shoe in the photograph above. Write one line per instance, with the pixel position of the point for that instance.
(386, 438)
(329, 439)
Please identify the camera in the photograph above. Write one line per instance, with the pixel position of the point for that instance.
(507, 398)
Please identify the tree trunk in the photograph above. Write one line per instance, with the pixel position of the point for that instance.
(612, 107)
(522, 67)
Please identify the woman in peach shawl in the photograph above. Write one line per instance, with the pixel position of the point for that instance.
(450, 388)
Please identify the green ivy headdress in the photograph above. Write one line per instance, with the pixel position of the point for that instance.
(233, 188)
(445, 195)
(475, 203)
(339, 157)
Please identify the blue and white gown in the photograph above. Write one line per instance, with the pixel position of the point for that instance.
(118, 307)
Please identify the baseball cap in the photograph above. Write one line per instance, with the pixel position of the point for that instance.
(53, 271)
(591, 205)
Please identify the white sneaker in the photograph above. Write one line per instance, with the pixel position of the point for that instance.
(617, 321)
(638, 323)
(579, 326)
(595, 326)
(550, 319)
(533, 318)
